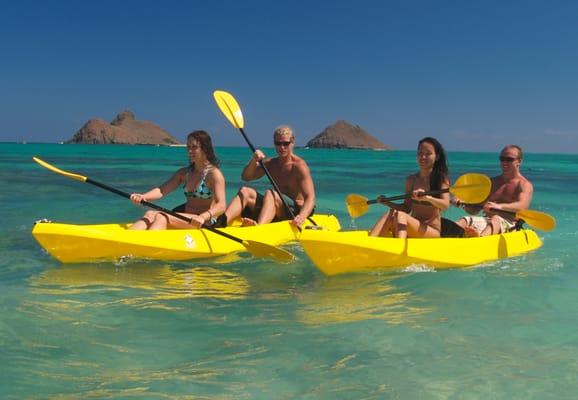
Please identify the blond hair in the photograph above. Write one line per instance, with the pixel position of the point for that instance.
(283, 130)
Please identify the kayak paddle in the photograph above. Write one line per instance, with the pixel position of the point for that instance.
(231, 109)
(257, 249)
(536, 219)
(470, 188)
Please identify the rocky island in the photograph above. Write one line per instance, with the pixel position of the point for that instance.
(344, 135)
(124, 129)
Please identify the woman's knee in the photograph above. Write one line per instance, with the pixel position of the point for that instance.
(271, 194)
(462, 222)
(161, 217)
(247, 193)
(150, 214)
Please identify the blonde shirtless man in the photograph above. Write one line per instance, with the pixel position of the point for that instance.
(511, 192)
(292, 176)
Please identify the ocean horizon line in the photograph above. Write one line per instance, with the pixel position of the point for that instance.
(297, 147)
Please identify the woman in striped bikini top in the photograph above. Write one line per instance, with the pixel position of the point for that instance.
(204, 204)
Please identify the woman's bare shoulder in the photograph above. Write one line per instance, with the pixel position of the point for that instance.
(181, 172)
(214, 172)
(412, 177)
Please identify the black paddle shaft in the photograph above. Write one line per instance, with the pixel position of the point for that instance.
(162, 209)
(289, 210)
(143, 202)
(405, 196)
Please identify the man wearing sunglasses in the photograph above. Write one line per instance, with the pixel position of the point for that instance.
(511, 191)
(292, 176)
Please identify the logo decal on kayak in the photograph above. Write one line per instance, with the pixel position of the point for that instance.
(190, 242)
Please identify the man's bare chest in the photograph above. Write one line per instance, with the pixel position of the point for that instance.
(506, 192)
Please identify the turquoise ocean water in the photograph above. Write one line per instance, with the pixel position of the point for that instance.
(251, 328)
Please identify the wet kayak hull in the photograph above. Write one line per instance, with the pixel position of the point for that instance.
(71, 243)
(343, 252)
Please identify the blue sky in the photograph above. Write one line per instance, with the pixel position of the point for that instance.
(476, 75)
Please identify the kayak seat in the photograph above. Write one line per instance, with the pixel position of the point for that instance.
(451, 229)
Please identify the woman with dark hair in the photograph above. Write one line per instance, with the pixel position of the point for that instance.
(203, 184)
(419, 215)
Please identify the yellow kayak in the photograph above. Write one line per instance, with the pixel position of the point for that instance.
(70, 243)
(343, 252)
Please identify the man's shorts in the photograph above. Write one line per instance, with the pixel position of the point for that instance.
(254, 214)
(480, 223)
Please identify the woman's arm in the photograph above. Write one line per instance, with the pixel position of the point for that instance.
(158, 192)
(216, 182)
(407, 203)
(442, 202)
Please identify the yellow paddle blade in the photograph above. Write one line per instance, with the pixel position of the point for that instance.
(356, 205)
(472, 188)
(59, 171)
(259, 249)
(229, 107)
(537, 219)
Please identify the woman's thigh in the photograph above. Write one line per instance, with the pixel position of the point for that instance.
(417, 228)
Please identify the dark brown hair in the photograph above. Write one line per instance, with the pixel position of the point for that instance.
(204, 140)
(440, 168)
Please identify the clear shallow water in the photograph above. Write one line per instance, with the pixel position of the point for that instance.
(247, 328)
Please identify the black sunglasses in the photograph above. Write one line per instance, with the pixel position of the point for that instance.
(507, 159)
(282, 143)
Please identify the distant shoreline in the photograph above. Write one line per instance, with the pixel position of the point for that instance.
(184, 145)
(569, 153)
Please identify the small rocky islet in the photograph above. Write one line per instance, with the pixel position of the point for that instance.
(126, 129)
